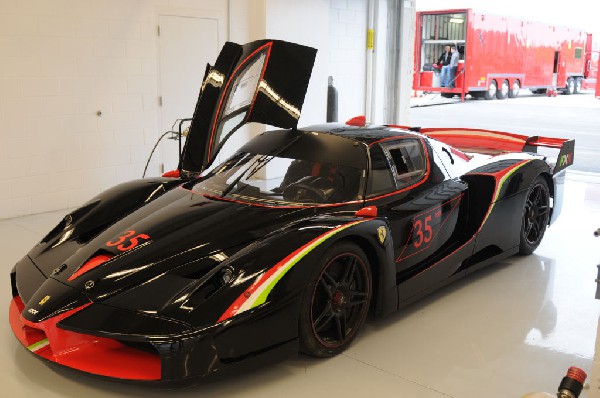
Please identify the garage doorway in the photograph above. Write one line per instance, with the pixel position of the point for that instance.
(186, 45)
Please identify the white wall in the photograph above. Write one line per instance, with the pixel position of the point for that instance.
(347, 58)
(305, 22)
(61, 61)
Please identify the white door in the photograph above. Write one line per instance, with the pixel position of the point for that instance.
(186, 45)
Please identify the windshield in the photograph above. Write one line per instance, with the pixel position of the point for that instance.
(276, 180)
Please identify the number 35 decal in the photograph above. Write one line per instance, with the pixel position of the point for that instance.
(422, 231)
(128, 241)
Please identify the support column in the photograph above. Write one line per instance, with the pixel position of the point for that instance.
(400, 53)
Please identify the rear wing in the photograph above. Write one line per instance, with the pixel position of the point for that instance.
(497, 142)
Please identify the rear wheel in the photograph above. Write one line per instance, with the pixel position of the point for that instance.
(336, 302)
(492, 90)
(570, 87)
(535, 216)
(514, 90)
(503, 92)
(577, 87)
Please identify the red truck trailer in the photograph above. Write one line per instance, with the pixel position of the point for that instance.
(500, 55)
(592, 55)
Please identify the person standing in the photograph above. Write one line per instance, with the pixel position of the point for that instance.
(444, 61)
(453, 67)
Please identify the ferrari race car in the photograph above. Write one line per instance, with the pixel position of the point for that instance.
(284, 247)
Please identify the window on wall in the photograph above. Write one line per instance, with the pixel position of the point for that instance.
(407, 159)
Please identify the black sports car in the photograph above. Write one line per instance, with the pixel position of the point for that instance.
(284, 247)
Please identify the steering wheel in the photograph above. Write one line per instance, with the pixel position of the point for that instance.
(309, 190)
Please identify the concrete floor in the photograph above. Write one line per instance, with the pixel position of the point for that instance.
(510, 329)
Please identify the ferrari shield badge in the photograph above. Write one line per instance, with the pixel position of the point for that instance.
(381, 233)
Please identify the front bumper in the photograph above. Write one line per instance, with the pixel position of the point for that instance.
(91, 354)
(262, 337)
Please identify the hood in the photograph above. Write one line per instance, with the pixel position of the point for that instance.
(264, 81)
(180, 233)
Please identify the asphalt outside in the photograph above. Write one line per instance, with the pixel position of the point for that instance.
(564, 116)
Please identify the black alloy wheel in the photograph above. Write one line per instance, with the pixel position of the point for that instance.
(336, 302)
(535, 216)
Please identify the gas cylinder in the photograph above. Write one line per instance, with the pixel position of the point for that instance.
(570, 386)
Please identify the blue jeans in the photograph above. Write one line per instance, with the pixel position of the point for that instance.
(451, 80)
(445, 75)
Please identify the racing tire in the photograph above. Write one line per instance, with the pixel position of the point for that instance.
(336, 302)
(490, 94)
(536, 214)
(570, 87)
(577, 87)
(514, 90)
(504, 89)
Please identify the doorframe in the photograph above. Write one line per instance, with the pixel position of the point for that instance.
(221, 16)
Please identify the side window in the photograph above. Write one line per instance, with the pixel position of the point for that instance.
(381, 179)
(407, 159)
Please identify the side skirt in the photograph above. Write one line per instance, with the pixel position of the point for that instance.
(425, 292)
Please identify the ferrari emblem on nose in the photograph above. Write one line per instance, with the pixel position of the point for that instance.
(381, 233)
(43, 301)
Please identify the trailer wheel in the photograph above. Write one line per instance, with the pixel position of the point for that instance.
(503, 92)
(570, 87)
(514, 91)
(577, 87)
(491, 91)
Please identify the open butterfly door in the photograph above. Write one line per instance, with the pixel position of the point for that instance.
(264, 81)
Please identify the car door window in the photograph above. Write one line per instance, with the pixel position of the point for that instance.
(407, 159)
(381, 180)
(239, 100)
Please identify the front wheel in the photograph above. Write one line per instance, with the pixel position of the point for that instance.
(535, 216)
(336, 301)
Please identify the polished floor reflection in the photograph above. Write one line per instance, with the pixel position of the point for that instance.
(510, 329)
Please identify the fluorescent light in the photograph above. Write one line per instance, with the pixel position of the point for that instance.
(457, 20)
